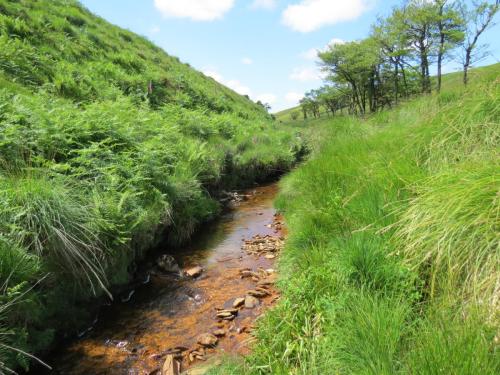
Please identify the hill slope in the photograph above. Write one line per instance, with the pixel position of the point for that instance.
(107, 144)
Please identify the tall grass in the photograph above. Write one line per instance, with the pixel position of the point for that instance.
(392, 263)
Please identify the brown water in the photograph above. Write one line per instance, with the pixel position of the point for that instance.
(133, 337)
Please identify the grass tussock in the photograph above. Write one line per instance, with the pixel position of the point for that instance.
(391, 266)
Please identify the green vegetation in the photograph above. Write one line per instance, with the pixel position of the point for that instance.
(107, 144)
(392, 263)
(393, 62)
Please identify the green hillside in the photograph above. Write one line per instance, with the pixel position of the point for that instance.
(392, 263)
(107, 144)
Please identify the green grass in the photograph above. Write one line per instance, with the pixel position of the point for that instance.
(108, 145)
(391, 265)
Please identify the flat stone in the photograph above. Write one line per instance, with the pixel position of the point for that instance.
(238, 302)
(256, 293)
(171, 366)
(194, 271)
(251, 302)
(220, 332)
(207, 340)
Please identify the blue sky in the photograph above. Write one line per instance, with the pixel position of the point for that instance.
(263, 48)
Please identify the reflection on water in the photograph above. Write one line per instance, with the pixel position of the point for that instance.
(167, 313)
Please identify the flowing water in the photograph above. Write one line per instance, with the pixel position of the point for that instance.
(169, 312)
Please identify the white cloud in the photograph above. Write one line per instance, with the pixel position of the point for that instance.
(197, 10)
(267, 98)
(263, 4)
(247, 61)
(154, 30)
(305, 74)
(310, 54)
(238, 87)
(310, 15)
(336, 41)
(215, 75)
(293, 97)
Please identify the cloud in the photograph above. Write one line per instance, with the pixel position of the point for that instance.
(310, 15)
(308, 74)
(247, 61)
(196, 10)
(232, 84)
(238, 87)
(293, 97)
(263, 4)
(267, 98)
(310, 54)
(154, 30)
(215, 75)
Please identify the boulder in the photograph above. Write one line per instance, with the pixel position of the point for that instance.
(251, 302)
(167, 263)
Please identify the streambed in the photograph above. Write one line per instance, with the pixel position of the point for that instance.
(170, 313)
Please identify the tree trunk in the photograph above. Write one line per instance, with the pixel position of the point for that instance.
(396, 82)
(466, 66)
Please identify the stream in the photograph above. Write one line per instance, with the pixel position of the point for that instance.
(168, 314)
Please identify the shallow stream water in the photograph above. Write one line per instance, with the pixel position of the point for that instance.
(169, 312)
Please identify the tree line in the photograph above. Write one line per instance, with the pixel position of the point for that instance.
(395, 60)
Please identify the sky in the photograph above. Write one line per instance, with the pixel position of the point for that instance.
(262, 48)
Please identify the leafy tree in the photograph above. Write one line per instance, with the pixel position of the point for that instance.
(420, 20)
(393, 43)
(450, 27)
(478, 19)
(355, 64)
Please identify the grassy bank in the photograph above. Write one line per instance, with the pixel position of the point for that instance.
(107, 145)
(392, 263)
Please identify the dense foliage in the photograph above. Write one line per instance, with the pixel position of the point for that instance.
(107, 144)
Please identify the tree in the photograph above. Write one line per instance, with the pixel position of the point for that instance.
(355, 64)
(389, 34)
(478, 19)
(294, 115)
(420, 19)
(450, 26)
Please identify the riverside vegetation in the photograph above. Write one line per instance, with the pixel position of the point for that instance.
(391, 265)
(107, 144)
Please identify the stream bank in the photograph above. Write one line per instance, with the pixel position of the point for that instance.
(192, 318)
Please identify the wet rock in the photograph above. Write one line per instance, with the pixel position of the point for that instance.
(219, 332)
(263, 290)
(238, 302)
(207, 340)
(171, 366)
(251, 302)
(224, 314)
(194, 271)
(167, 263)
(257, 293)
